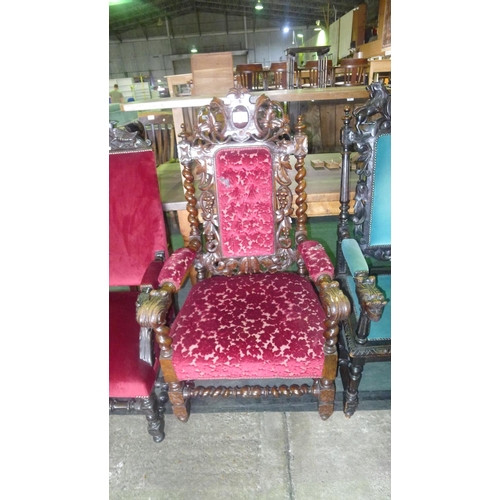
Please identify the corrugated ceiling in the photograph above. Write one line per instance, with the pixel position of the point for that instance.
(153, 18)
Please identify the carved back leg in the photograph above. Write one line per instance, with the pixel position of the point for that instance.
(156, 422)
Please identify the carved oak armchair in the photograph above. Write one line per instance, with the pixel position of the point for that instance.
(137, 249)
(363, 258)
(265, 306)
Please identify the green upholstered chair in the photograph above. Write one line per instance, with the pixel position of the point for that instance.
(364, 256)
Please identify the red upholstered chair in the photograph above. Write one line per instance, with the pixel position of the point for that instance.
(265, 308)
(137, 249)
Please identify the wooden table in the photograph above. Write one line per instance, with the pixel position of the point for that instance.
(338, 94)
(281, 95)
(378, 66)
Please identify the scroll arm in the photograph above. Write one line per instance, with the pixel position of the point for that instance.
(336, 305)
(152, 312)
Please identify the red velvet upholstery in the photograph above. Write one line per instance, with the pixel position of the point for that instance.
(136, 232)
(243, 323)
(316, 259)
(177, 266)
(136, 223)
(245, 192)
(129, 377)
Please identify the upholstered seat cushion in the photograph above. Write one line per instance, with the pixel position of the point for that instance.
(129, 376)
(249, 326)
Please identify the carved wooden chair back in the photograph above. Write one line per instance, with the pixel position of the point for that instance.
(254, 313)
(244, 186)
(363, 258)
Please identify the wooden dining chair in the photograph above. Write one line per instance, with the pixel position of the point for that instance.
(251, 76)
(352, 72)
(310, 74)
(278, 75)
(159, 129)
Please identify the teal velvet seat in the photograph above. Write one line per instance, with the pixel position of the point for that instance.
(364, 240)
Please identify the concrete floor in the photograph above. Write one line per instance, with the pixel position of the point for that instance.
(257, 454)
(253, 455)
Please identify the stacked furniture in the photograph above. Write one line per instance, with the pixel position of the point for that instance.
(251, 76)
(351, 72)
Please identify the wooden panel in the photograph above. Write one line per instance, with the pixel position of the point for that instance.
(212, 73)
(385, 12)
(359, 25)
(339, 93)
(173, 80)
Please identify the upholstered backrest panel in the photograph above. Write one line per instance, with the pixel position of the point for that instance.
(245, 201)
(136, 223)
(380, 232)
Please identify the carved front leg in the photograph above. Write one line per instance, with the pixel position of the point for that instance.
(337, 308)
(326, 397)
(180, 400)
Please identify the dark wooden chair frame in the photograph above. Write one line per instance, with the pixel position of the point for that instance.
(373, 119)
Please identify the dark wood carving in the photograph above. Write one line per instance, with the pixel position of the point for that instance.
(241, 119)
(372, 120)
(142, 406)
(129, 137)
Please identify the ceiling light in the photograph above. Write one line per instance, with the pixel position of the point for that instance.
(318, 26)
(259, 5)
(286, 29)
(300, 35)
(194, 49)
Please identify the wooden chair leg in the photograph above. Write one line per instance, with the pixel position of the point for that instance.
(326, 396)
(180, 403)
(156, 422)
(351, 399)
